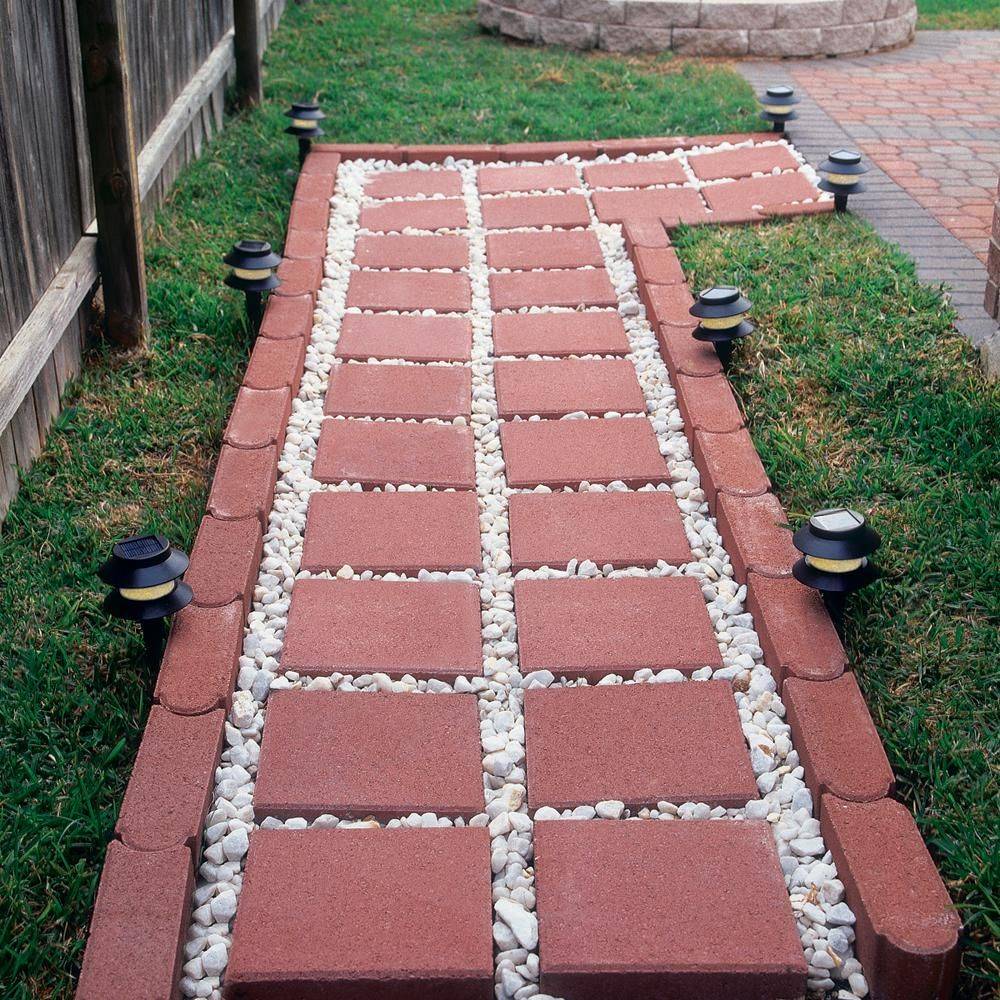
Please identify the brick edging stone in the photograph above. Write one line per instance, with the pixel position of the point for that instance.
(762, 28)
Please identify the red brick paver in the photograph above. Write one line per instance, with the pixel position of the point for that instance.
(555, 249)
(559, 334)
(555, 388)
(410, 338)
(502, 180)
(406, 391)
(758, 192)
(259, 418)
(224, 561)
(427, 252)
(672, 205)
(757, 535)
(561, 211)
(430, 214)
(276, 363)
(408, 292)
(408, 183)
(737, 163)
(574, 288)
(635, 175)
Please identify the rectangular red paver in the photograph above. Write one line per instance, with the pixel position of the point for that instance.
(590, 628)
(398, 251)
(758, 192)
(225, 561)
(410, 338)
(559, 334)
(409, 291)
(736, 163)
(561, 211)
(408, 391)
(568, 452)
(657, 265)
(422, 214)
(728, 463)
(259, 418)
(287, 317)
(756, 534)
(502, 180)
(708, 404)
(276, 363)
(635, 175)
(555, 388)
(392, 532)
(301, 276)
(624, 529)
(375, 453)
(556, 249)
(397, 627)
(142, 911)
(670, 204)
(636, 743)
(682, 354)
(635, 909)
(243, 485)
(356, 755)
(572, 288)
(328, 913)
(408, 183)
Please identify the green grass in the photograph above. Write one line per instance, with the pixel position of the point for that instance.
(135, 445)
(958, 14)
(857, 392)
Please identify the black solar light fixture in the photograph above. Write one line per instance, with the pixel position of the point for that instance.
(835, 544)
(145, 572)
(843, 169)
(306, 117)
(778, 106)
(720, 311)
(253, 263)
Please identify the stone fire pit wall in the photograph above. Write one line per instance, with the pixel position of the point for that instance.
(708, 27)
(993, 264)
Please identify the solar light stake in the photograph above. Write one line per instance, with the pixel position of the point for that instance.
(843, 169)
(778, 106)
(145, 572)
(253, 263)
(305, 126)
(719, 311)
(835, 544)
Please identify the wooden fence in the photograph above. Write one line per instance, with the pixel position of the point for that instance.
(180, 57)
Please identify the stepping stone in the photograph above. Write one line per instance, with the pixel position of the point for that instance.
(637, 743)
(736, 163)
(377, 453)
(394, 627)
(407, 391)
(671, 204)
(591, 628)
(354, 755)
(559, 453)
(635, 175)
(561, 211)
(503, 180)
(409, 338)
(555, 388)
(695, 909)
(366, 914)
(556, 249)
(409, 291)
(407, 183)
(520, 289)
(451, 252)
(758, 192)
(392, 532)
(624, 529)
(426, 214)
(559, 334)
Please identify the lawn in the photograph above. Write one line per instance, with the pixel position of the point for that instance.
(892, 416)
(959, 14)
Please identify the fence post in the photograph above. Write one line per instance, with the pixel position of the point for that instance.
(111, 140)
(246, 31)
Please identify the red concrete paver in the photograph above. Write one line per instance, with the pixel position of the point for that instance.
(377, 453)
(737, 163)
(575, 288)
(324, 912)
(636, 743)
(140, 917)
(837, 742)
(243, 485)
(758, 192)
(356, 755)
(305, 244)
(199, 665)
(225, 560)
(427, 252)
(392, 532)
(550, 177)
(287, 317)
(907, 928)
(708, 404)
(627, 909)
(644, 233)
(424, 214)
(408, 391)
(300, 276)
(561, 211)
(756, 535)
(309, 213)
(795, 631)
(559, 334)
(657, 266)
(682, 354)
(590, 628)
(259, 418)
(555, 388)
(728, 463)
(395, 627)
(316, 187)
(172, 781)
(410, 338)
(624, 529)
(408, 183)
(409, 291)
(548, 250)
(276, 363)
(559, 453)
(634, 175)
(673, 205)
(668, 304)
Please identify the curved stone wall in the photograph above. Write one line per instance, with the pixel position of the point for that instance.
(764, 28)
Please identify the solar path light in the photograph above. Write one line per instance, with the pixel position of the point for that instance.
(253, 263)
(720, 311)
(778, 106)
(843, 169)
(306, 117)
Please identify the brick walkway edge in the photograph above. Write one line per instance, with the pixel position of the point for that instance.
(907, 931)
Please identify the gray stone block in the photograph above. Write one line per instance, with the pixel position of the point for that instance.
(989, 352)
(847, 38)
(711, 42)
(661, 14)
(862, 11)
(546, 8)
(895, 31)
(629, 38)
(519, 25)
(489, 14)
(726, 14)
(571, 34)
(785, 42)
(818, 14)
(594, 11)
